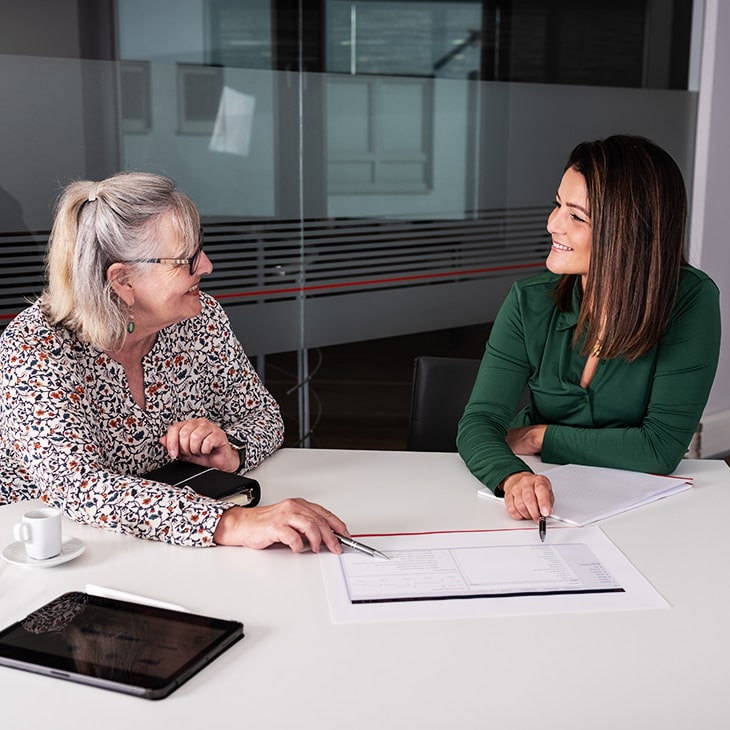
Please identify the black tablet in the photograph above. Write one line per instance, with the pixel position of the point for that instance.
(126, 647)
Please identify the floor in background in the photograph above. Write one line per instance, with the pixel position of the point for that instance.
(360, 394)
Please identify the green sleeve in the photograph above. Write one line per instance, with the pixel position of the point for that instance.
(685, 368)
(496, 395)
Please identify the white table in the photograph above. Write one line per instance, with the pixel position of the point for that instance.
(637, 669)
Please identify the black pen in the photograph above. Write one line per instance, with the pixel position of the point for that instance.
(355, 545)
(542, 528)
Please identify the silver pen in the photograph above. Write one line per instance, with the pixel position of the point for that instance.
(355, 545)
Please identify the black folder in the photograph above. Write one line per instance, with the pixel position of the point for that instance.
(209, 482)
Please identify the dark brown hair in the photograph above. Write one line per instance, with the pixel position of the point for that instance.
(638, 207)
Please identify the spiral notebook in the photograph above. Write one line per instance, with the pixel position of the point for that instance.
(587, 494)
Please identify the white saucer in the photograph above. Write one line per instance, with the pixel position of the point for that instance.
(71, 548)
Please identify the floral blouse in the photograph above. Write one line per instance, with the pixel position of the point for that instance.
(72, 434)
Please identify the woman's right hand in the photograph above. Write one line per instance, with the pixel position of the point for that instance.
(528, 496)
(293, 522)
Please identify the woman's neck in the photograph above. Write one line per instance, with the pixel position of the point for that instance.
(129, 356)
(134, 348)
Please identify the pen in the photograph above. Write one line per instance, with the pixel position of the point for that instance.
(355, 545)
(104, 592)
(542, 527)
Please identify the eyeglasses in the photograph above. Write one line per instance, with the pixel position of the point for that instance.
(192, 261)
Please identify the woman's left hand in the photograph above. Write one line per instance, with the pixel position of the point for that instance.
(201, 442)
(526, 440)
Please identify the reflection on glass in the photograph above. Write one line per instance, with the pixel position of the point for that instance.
(403, 38)
(399, 183)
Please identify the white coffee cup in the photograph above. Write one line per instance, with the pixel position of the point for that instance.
(40, 532)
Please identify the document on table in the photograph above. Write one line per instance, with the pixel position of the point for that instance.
(485, 573)
(422, 574)
(587, 494)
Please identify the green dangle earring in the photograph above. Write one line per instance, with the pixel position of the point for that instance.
(130, 324)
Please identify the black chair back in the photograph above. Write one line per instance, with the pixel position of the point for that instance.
(441, 389)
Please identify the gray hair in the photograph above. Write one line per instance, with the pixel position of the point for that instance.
(98, 224)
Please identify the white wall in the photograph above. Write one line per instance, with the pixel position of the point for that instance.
(46, 135)
(221, 184)
(709, 246)
(144, 30)
(58, 112)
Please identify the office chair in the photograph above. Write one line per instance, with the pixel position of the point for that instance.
(441, 388)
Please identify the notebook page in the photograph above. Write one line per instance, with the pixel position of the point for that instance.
(586, 494)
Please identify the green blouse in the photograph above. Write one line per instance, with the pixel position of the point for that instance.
(638, 415)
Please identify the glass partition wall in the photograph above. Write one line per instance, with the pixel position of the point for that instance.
(368, 171)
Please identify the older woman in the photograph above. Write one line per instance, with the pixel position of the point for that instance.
(123, 364)
(618, 343)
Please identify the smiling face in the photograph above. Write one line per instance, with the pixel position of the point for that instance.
(570, 227)
(164, 294)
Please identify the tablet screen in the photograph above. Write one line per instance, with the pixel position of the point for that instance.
(128, 647)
